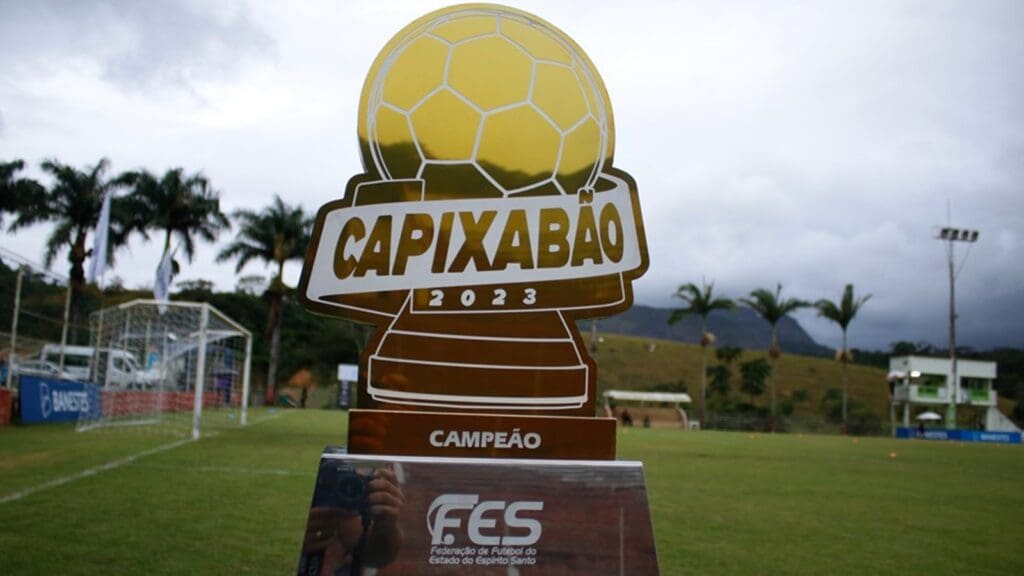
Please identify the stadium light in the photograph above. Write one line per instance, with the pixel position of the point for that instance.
(949, 235)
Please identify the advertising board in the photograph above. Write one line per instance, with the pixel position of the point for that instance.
(52, 400)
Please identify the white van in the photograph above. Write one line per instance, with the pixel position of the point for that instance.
(122, 369)
(77, 359)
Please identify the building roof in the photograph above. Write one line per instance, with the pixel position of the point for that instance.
(904, 365)
(633, 395)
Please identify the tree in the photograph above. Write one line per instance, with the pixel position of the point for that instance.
(180, 205)
(772, 307)
(905, 348)
(752, 377)
(198, 289)
(728, 354)
(700, 301)
(73, 203)
(17, 194)
(721, 374)
(842, 314)
(274, 235)
(721, 378)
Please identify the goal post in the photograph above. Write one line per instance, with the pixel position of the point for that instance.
(197, 403)
(181, 367)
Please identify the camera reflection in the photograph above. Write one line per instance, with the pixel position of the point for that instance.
(353, 522)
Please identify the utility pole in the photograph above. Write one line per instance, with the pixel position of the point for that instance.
(14, 327)
(950, 235)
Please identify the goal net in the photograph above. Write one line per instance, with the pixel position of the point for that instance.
(177, 367)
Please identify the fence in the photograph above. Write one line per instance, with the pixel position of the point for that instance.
(34, 304)
(801, 424)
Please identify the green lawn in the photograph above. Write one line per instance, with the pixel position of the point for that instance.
(723, 503)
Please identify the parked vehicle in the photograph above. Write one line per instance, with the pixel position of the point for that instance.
(40, 368)
(120, 368)
(124, 371)
(77, 359)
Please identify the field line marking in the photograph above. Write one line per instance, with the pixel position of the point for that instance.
(91, 471)
(14, 496)
(272, 416)
(225, 469)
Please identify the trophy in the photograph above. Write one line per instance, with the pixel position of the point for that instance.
(488, 220)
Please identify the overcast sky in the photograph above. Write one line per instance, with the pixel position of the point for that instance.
(808, 143)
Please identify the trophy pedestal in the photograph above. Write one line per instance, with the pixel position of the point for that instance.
(406, 433)
(483, 516)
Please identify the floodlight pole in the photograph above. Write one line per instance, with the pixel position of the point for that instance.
(954, 388)
(950, 235)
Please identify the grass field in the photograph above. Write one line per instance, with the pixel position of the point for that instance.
(723, 503)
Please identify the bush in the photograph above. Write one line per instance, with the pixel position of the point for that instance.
(1018, 411)
(786, 406)
(753, 375)
(719, 377)
(861, 421)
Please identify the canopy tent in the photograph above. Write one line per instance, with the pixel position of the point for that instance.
(635, 396)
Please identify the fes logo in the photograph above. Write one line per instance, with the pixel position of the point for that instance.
(488, 220)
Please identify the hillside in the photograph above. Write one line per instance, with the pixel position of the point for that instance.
(635, 363)
(741, 328)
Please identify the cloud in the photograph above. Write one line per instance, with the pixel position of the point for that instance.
(818, 144)
(812, 144)
(141, 46)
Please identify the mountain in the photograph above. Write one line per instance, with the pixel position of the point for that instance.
(742, 328)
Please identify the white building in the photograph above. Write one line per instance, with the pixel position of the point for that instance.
(918, 381)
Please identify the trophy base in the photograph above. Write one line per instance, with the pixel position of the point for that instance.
(404, 433)
(481, 516)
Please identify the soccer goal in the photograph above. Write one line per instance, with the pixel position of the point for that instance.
(179, 367)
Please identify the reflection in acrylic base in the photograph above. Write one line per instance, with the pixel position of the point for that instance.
(433, 516)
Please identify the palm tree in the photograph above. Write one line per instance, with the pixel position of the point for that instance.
(180, 205)
(73, 203)
(842, 313)
(17, 194)
(700, 301)
(274, 235)
(772, 307)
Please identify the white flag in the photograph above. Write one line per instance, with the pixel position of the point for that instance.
(162, 284)
(98, 263)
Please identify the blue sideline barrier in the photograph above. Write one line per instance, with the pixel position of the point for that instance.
(45, 399)
(961, 435)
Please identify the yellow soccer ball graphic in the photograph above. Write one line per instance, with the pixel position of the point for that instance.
(481, 103)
